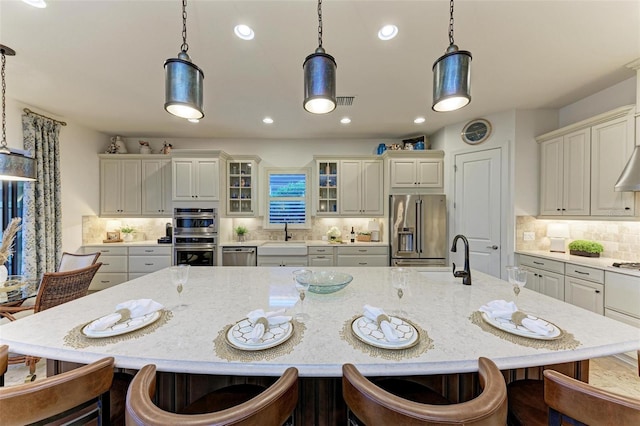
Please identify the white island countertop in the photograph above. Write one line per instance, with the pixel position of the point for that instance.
(218, 297)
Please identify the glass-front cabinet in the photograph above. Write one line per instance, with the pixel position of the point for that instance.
(328, 175)
(241, 189)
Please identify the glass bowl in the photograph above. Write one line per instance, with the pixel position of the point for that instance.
(325, 282)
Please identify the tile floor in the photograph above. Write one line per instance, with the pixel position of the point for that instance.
(609, 373)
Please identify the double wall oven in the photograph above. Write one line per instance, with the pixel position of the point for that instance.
(195, 236)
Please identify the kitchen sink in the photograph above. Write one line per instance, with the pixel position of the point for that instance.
(283, 248)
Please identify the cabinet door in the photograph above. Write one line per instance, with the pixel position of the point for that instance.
(551, 284)
(241, 188)
(320, 260)
(132, 187)
(430, 173)
(611, 147)
(156, 187)
(183, 179)
(110, 187)
(350, 187)
(403, 173)
(551, 169)
(586, 294)
(372, 183)
(576, 189)
(533, 280)
(207, 180)
(327, 187)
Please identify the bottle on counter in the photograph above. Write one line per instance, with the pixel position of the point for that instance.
(353, 235)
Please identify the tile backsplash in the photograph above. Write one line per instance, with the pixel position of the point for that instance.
(620, 239)
(94, 228)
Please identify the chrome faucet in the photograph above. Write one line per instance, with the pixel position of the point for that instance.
(466, 273)
(287, 235)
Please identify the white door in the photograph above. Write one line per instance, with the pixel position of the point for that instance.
(477, 205)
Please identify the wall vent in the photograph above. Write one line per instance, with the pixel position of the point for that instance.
(345, 100)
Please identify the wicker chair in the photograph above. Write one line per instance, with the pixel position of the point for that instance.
(55, 289)
(375, 406)
(71, 261)
(271, 407)
(75, 394)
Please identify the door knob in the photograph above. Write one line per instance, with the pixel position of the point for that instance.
(493, 247)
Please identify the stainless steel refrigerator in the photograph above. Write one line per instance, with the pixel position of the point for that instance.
(418, 230)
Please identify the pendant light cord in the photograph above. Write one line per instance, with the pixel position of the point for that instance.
(451, 23)
(320, 23)
(185, 46)
(3, 145)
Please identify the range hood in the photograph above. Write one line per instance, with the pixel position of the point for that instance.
(629, 180)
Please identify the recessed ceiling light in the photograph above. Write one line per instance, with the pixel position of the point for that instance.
(345, 120)
(419, 120)
(244, 32)
(267, 120)
(193, 120)
(40, 4)
(388, 32)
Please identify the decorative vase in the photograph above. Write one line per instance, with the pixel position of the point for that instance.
(241, 238)
(127, 236)
(4, 273)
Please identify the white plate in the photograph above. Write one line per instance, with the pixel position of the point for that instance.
(519, 330)
(368, 332)
(237, 336)
(132, 324)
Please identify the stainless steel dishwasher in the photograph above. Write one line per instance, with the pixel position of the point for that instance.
(239, 256)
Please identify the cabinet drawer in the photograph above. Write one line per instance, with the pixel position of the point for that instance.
(321, 250)
(105, 251)
(150, 251)
(372, 260)
(113, 264)
(363, 250)
(147, 264)
(540, 263)
(584, 272)
(103, 280)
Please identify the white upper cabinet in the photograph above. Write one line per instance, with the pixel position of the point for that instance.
(416, 169)
(580, 163)
(196, 179)
(361, 187)
(242, 183)
(120, 187)
(156, 187)
(611, 146)
(564, 174)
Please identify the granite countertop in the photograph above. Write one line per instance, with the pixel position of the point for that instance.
(604, 263)
(308, 243)
(219, 297)
(128, 244)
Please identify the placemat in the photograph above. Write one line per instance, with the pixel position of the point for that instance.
(424, 343)
(76, 339)
(226, 351)
(567, 341)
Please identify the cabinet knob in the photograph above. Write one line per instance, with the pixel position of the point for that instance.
(597, 291)
(493, 247)
(627, 208)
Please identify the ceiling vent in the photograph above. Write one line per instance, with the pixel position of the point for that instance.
(345, 100)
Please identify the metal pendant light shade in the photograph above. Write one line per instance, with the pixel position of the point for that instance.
(451, 78)
(13, 166)
(183, 87)
(319, 82)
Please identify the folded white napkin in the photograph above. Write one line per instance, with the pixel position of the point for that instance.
(378, 316)
(505, 310)
(135, 309)
(259, 317)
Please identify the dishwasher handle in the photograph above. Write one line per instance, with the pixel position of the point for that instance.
(244, 250)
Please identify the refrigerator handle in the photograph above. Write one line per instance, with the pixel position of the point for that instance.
(419, 235)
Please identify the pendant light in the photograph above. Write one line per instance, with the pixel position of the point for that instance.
(451, 76)
(183, 80)
(319, 77)
(13, 166)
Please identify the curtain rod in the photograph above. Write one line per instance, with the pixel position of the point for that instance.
(35, 113)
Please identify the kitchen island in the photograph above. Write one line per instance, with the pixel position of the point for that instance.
(192, 340)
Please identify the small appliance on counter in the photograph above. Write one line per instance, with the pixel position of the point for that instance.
(168, 238)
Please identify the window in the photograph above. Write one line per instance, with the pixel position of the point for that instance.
(10, 207)
(287, 198)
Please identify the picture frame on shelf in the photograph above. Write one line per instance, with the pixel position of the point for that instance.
(113, 237)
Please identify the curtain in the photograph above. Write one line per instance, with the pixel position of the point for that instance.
(42, 225)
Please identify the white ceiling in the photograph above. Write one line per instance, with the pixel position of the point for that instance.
(100, 63)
